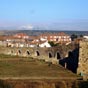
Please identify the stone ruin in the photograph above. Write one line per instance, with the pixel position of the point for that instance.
(83, 60)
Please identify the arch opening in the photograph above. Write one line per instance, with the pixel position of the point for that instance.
(19, 51)
(58, 55)
(11, 51)
(50, 55)
(37, 52)
(28, 53)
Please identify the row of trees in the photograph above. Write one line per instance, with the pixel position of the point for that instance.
(74, 36)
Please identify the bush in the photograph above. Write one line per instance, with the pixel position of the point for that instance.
(53, 44)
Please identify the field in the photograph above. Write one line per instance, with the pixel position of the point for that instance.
(29, 68)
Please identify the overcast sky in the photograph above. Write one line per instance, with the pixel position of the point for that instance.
(29, 12)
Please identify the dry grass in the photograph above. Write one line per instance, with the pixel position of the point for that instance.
(31, 68)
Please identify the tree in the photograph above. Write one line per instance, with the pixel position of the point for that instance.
(81, 36)
(53, 44)
(73, 36)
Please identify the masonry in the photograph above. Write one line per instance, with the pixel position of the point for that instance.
(48, 54)
(83, 59)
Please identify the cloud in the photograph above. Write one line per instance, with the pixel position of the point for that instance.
(26, 27)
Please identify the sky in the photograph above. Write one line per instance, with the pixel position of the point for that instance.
(42, 12)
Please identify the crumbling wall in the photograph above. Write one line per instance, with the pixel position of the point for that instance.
(83, 58)
(48, 54)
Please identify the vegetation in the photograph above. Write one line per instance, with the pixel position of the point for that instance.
(80, 84)
(73, 36)
(83, 84)
(4, 85)
(81, 36)
(3, 56)
(53, 44)
(30, 68)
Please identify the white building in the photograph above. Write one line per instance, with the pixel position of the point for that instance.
(44, 44)
(86, 37)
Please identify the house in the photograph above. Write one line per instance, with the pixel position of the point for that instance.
(21, 35)
(44, 44)
(23, 40)
(32, 44)
(86, 37)
(3, 41)
(60, 37)
(11, 41)
(39, 43)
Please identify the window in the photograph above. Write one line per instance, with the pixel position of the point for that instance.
(59, 37)
(51, 36)
(65, 39)
(46, 37)
(55, 36)
(54, 39)
(51, 39)
(64, 36)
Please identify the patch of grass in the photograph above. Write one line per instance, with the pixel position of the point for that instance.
(29, 67)
(3, 56)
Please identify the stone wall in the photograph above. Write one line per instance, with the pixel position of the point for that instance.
(83, 59)
(48, 54)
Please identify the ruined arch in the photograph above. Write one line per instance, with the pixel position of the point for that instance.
(37, 53)
(58, 56)
(28, 52)
(11, 51)
(19, 52)
(50, 55)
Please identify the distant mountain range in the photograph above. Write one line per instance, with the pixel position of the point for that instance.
(38, 32)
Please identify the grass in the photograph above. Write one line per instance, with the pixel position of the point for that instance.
(29, 67)
(3, 56)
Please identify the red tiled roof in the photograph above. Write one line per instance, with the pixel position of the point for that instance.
(21, 34)
(55, 34)
(3, 38)
(62, 34)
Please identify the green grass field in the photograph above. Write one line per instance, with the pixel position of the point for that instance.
(14, 66)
